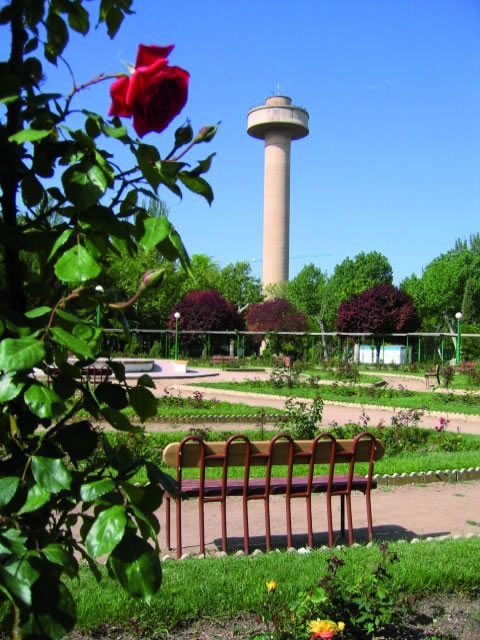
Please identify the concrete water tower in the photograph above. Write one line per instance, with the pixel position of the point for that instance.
(277, 122)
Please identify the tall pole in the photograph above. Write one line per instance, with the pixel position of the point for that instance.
(176, 315)
(100, 290)
(458, 350)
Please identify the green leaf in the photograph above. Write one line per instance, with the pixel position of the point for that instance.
(15, 587)
(78, 439)
(51, 473)
(79, 347)
(84, 184)
(9, 88)
(146, 381)
(60, 241)
(17, 354)
(38, 312)
(36, 498)
(78, 18)
(32, 190)
(57, 36)
(147, 158)
(8, 488)
(172, 248)
(154, 231)
(114, 132)
(112, 394)
(43, 401)
(157, 476)
(9, 389)
(113, 19)
(57, 554)
(107, 531)
(137, 567)
(203, 166)
(93, 490)
(77, 265)
(143, 402)
(118, 420)
(197, 185)
(29, 135)
(53, 614)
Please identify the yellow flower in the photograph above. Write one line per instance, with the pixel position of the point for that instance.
(325, 628)
(271, 586)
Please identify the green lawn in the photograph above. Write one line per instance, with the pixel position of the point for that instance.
(466, 402)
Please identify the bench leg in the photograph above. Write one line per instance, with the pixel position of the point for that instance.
(309, 521)
(288, 507)
(178, 514)
(330, 520)
(246, 533)
(349, 518)
(223, 506)
(201, 523)
(369, 516)
(342, 515)
(268, 536)
(167, 522)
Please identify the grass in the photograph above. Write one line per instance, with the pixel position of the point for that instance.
(467, 403)
(232, 586)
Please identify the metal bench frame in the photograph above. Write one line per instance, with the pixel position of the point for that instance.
(239, 451)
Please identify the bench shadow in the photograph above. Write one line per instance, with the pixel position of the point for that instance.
(381, 533)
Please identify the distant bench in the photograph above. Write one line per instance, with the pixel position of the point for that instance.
(222, 359)
(435, 375)
(93, 374)
(466, 366)
(239, 451)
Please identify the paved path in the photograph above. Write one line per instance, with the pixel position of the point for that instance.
(333, 412)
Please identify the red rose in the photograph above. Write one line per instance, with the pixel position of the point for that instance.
(154, 94)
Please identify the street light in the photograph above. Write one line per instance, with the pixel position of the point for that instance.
(458, 352)
(176, 315)
(98, 289)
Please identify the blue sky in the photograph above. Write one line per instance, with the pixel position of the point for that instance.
(392, 87)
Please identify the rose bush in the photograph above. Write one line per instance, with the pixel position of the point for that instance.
(155, 92)
(68, 491)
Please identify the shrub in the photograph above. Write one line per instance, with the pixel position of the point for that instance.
(301, 418)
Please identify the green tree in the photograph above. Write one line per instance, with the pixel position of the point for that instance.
(203, 274)
(66, 491)
(307, 291)
(237, 284)
(352, 277)
(439, 293)
(471, 303)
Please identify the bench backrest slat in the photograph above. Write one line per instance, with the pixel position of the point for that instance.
(191, 455)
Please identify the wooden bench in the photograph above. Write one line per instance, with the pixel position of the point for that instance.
(221, 359)
(465, 366)
(432, 374)
(92, 374)
(239, 451)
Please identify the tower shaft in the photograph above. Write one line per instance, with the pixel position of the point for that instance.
(276, 208)
(277, 122)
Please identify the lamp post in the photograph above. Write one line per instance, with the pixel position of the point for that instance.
(458, 351)
(176, 315)
(98, 289)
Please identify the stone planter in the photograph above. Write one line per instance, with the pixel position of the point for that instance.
(180, 366)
